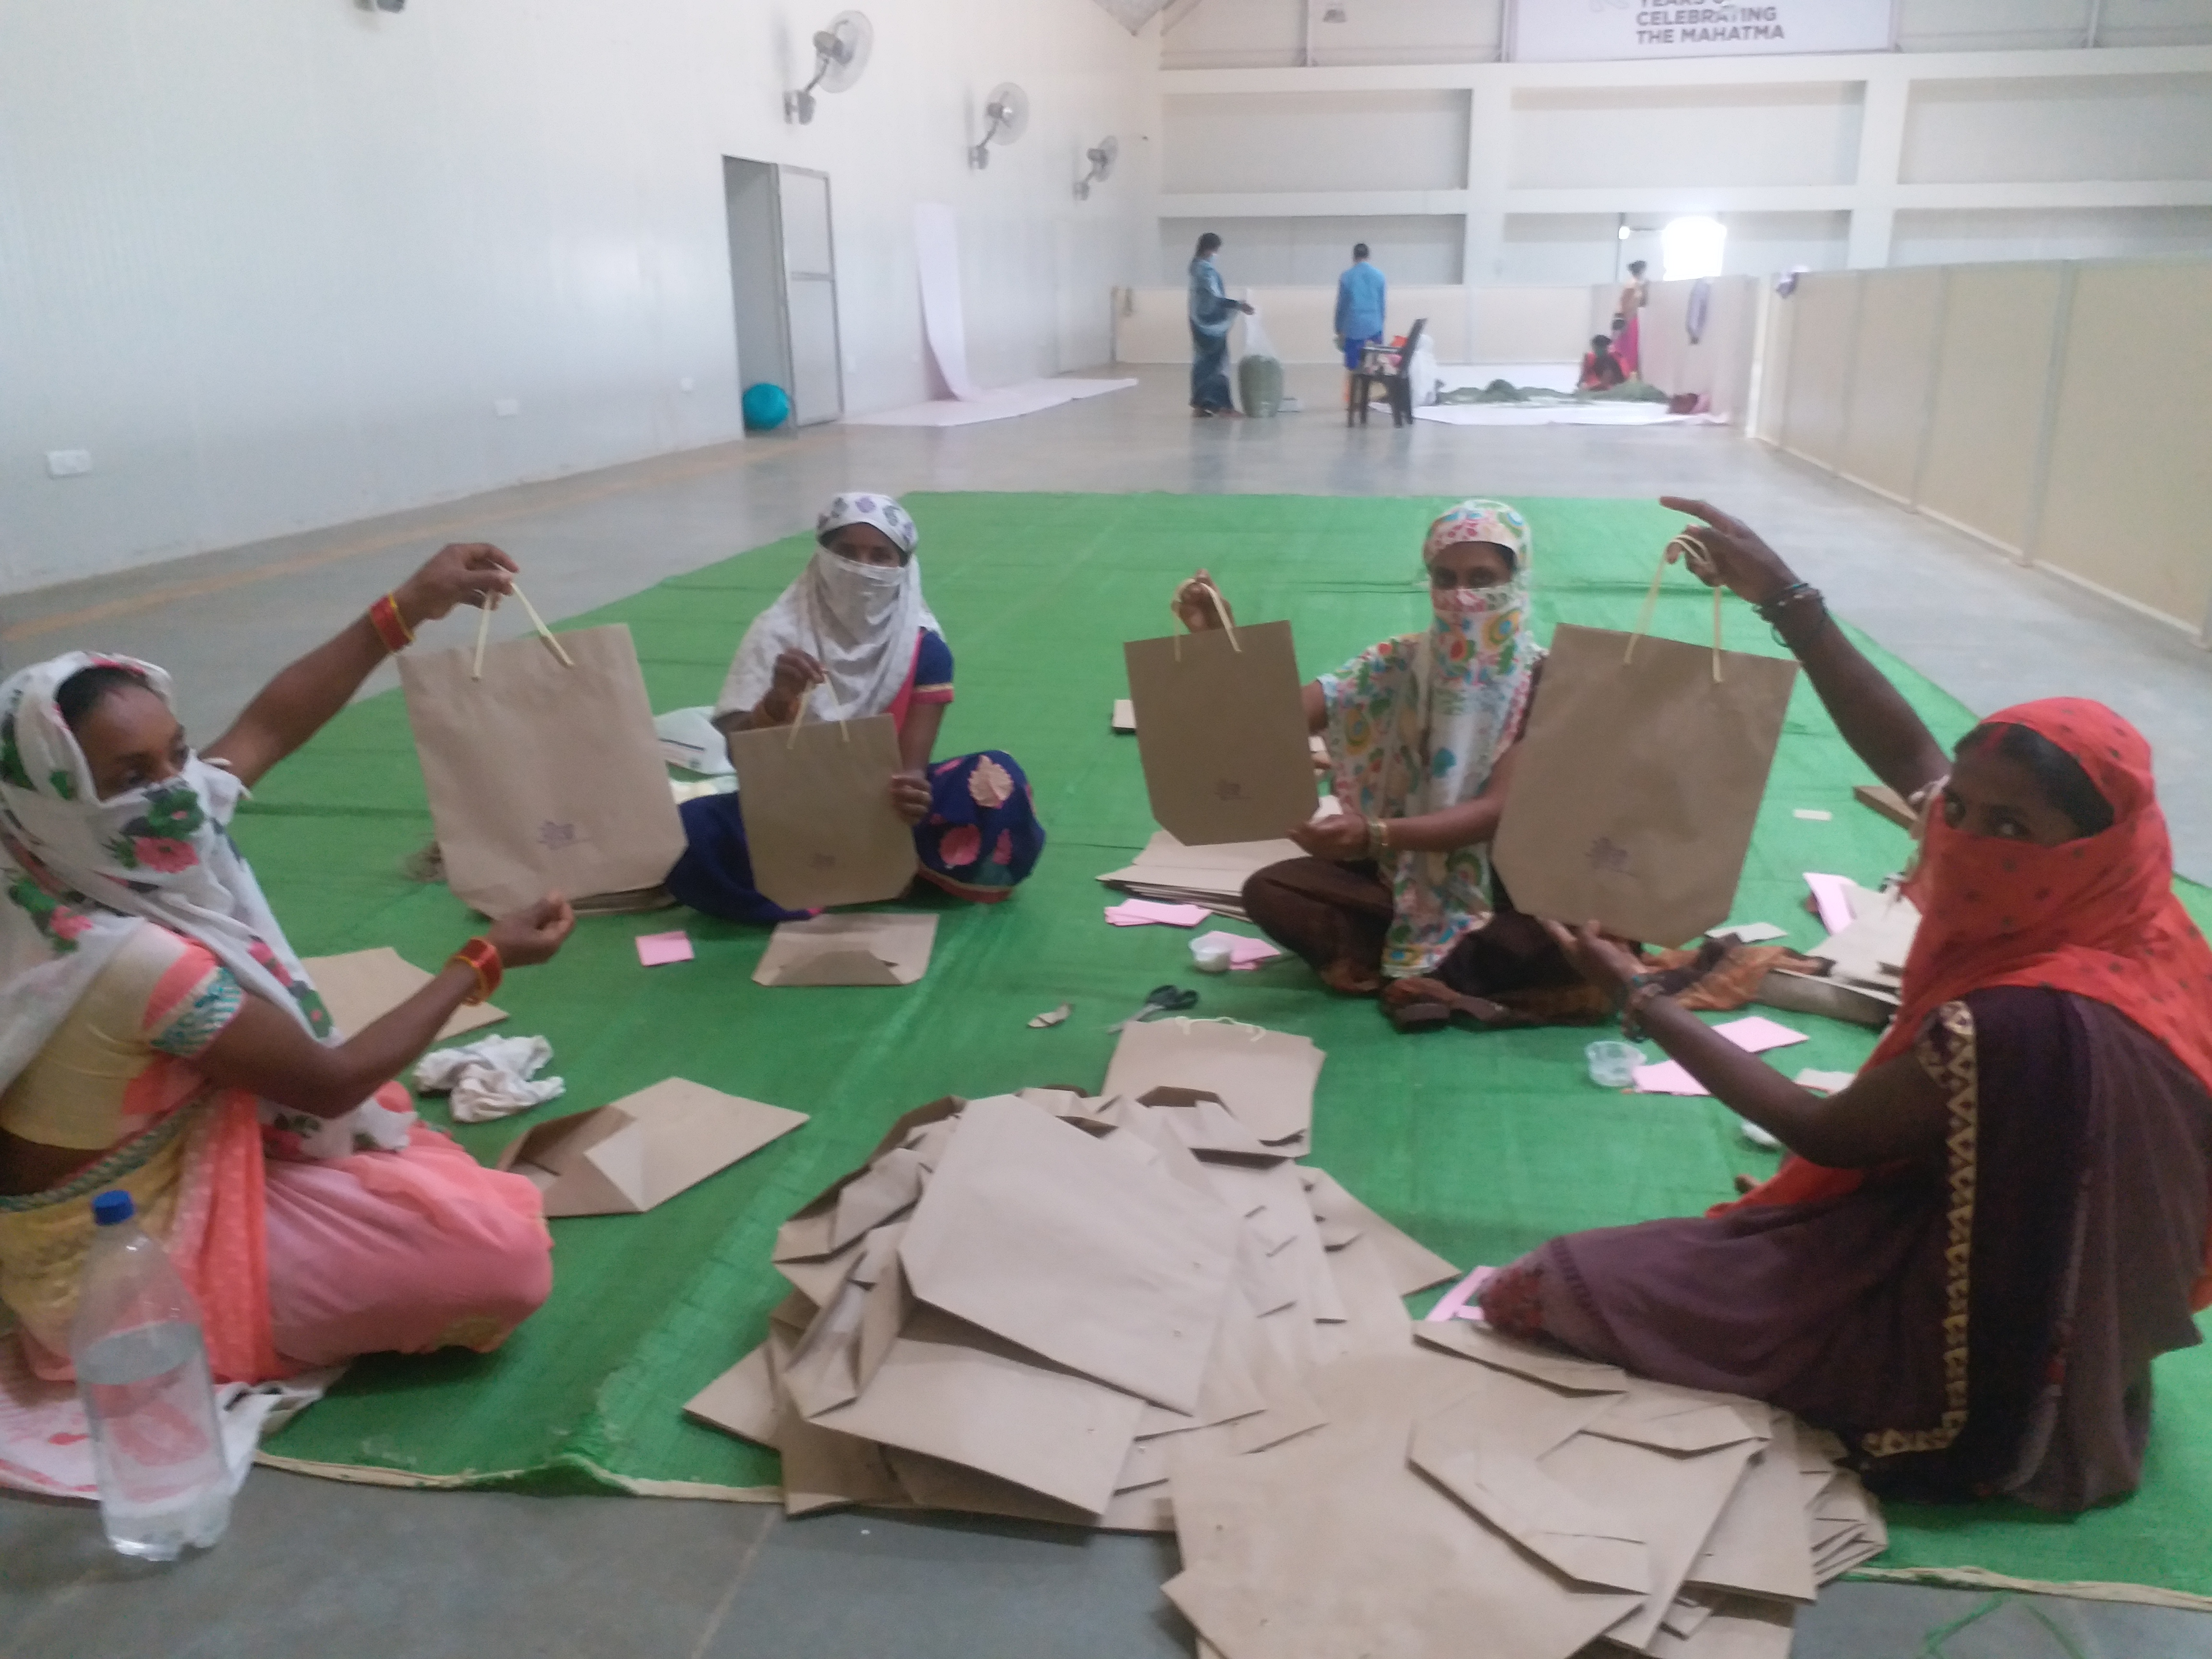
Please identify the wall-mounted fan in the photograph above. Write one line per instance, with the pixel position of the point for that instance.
(840, 53)
(1005, 119)
(1100, 157)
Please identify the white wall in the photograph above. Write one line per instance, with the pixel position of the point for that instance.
(1273, 34)
(1295, 253)
(273, 261)
(1379, 140)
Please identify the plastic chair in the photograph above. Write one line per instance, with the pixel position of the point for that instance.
(1392, 367)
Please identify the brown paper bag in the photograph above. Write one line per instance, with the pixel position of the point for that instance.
(543, 775)
(818, 816)
(1222, 733)
(1638, 782)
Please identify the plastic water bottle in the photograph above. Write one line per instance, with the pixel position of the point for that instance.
(142, 1372)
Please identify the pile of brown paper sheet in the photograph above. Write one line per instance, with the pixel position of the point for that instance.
(1476, 1485)
(1212, 876)
(361, 986)
(1040, 1304)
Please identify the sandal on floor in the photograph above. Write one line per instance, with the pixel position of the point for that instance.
(1418, 1016)
(1419, 993)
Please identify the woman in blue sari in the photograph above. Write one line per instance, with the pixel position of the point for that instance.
(852, 637)
(1212, 311)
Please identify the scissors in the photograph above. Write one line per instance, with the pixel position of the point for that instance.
(1164, 1000)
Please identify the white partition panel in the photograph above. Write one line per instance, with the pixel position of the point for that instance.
(1978, 468)
(1892, 378)
(2127, 495)
(1820, 347)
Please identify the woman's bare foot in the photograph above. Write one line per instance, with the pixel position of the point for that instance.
(1349, 979)
(1416, 989)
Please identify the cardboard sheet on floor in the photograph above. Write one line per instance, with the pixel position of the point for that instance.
(1212, 876)
(624, 1159)
(1222, 732)
(819, 823)
(889, 947)
(361, 986)
(1035, 1230)
(953, 1390)
(1265, 1078)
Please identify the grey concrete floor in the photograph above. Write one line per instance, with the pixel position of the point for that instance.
(312, 1566)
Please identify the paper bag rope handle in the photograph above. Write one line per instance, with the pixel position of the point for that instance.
(1690, 549)
(1220, 610)
(484, 626)
(799, 712)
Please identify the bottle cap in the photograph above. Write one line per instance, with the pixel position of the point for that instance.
(112, 1209)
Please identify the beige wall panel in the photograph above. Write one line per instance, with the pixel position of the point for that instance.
(2130, 491)
(1774, 369)
(1826, 303)
(1992, 367)
(1893, 372)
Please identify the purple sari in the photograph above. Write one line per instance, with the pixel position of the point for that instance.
(1978, 1325)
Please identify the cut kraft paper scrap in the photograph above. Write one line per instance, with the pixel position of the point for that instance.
(1136, 1311)
(1481, 1145)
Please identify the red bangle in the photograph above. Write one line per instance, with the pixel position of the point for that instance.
(481, 957)
(390, 627)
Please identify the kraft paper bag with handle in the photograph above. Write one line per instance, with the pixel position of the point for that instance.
(888, 948)
(1640, 778)
(1222, 733)
(644, 1148)
(363, 986)
(1265, 1078)
(544, 775)
(818, 816)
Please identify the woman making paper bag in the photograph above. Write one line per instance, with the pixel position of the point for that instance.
(1975, 1251)
(853, 637)
(159, 1035)
(1395, 896)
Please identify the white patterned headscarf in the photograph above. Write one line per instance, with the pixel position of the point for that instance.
(861, 622)
(82, 875)
(1416, 723)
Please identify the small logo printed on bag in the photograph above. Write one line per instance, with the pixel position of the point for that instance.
(558, 837)
(1605, 854)
(1230, 789)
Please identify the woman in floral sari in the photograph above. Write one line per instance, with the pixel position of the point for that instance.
(159, 1035)
(1973, 1254)
(854, 636)
(1395, 896)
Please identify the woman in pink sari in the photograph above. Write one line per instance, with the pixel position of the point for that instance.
(159, 1035)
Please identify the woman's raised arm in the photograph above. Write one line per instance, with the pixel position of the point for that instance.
(293, 707)
(1872, 714)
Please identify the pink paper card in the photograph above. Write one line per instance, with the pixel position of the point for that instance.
(658, 949)
(1136, 913)
(1668, 1077)
(1756, 1035)
(1457, 1302)
(1829, 897)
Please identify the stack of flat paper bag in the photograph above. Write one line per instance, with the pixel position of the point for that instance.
(1039, 1305)
(1483, 1487)
(1212, 876)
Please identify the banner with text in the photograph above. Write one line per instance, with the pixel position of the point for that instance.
(1550, 31)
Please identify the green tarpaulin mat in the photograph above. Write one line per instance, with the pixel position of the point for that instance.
(1481, 1144)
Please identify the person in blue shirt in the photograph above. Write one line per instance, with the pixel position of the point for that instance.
(1361, 293)
(1212, 311)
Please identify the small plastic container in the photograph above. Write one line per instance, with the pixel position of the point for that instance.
(1213, 956)
(1613, 1065)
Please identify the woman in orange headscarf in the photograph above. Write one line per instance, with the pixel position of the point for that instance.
(1975, 1251)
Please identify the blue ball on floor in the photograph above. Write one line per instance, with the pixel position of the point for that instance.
(767, 406)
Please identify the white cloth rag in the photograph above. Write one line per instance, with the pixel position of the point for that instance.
(490, 1078)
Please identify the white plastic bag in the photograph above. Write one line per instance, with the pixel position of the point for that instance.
(1256, 343)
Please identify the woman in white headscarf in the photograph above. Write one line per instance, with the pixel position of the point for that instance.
(159, 1035)
(852, 637)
